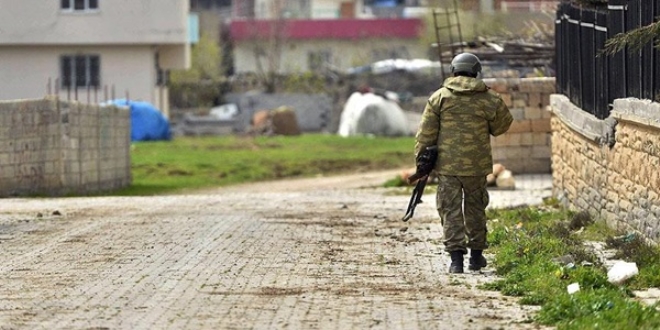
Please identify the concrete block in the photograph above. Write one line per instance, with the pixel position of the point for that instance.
(508, 101)
(526, 139)
(517, 113)
(519, 103)
(519, 126)
(541, 152)
(534, 100)
(540, 125)
(506, 140)
(541, 138)
(533, 113)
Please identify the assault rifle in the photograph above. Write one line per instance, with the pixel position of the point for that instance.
(425, 164)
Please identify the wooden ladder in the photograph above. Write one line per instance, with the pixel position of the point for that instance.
(449, 40)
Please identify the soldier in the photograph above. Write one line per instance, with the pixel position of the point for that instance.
(459, 118)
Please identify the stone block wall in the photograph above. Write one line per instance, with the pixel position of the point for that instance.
(609, 167)
(525, 148)
(51, 147)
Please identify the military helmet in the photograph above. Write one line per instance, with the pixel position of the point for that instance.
(465, 62)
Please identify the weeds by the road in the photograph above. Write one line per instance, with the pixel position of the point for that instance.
(540, 251)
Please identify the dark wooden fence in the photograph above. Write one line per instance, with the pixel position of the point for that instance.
(593, 80)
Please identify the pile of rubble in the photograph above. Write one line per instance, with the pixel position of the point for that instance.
(501, 178)
(279, 121)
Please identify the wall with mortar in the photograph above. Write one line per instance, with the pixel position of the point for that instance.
(51, 147)
(609, 167)
(525, 147)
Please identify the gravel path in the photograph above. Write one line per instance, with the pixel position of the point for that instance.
(322, 253)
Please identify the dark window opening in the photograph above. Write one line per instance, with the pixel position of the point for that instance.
(80, 71)
(79, 5)
(317, 61)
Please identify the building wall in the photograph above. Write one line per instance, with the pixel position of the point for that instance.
(609, 167)
(50, 147)
(317, 9)
(115, 22)
(526, 146)
(26, 70)
(345, 55)
(127, 34)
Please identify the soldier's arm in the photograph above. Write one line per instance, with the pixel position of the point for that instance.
(502, 121)
(427, 133)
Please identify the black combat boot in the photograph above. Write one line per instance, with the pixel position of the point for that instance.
(456, 266)
(477, 260)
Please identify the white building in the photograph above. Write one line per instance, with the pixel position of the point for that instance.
(293, 36)
(76, 45)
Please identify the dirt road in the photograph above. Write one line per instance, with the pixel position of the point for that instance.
(323, 253)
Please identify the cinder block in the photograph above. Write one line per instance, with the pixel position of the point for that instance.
(541, 138)
(498, 85)
(526, 139)
(545, 99)
(540, 125)
(517, 113)
(519, 126)
(506, 140)
(541, 152)
(547, 112)
(519, 103)
(533, 112)
(534, 100)
(507, 100)
(537, 165)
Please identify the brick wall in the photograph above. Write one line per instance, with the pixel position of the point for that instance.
(525, 148)
(609, 167)
(50, 147)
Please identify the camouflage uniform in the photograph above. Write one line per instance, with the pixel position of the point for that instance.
(459, 118)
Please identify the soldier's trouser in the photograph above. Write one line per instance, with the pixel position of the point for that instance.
(461, 203)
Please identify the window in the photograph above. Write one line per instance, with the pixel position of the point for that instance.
(319, 60)
(80, 71)
(79, 5)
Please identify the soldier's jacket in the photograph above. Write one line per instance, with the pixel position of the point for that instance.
(459, 118)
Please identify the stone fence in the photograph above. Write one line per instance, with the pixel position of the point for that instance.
(525, 147)
(609, 167)
(52, 148)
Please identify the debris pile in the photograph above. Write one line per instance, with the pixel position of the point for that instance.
(279, 121)
(500, 177)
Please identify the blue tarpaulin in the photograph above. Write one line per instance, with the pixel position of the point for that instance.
(147, 122)
(385, 3)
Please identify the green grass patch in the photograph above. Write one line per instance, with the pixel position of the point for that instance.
(531, 245)
(202, 162)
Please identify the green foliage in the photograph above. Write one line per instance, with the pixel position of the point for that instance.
(206, 57)
(193, 163)
(530, 241)
(197, 94)
(598, 309)
(308, 82)
(203, 84)
(396, 181)
(634, 39)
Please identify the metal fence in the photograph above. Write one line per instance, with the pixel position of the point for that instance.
(593, 80)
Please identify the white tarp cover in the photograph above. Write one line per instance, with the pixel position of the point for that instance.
(372, 114)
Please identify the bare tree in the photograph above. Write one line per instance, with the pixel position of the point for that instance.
(268, 38)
